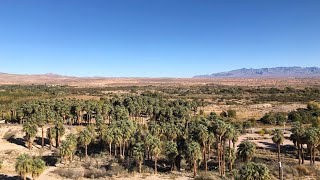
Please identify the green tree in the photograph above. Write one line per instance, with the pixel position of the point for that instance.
(65, 150)
(156, 150)
(278, 138)
(60, 130)
(246, 150)
(31, 129)
(38, 166)
(85, 139)
(41, 121)
(298, 132)
(108, 138)
(194, 154)
(138, 154)
(51, 135)
(254, 171)
(312, 138)
(24, 165)
(171, 152)
(72, 141)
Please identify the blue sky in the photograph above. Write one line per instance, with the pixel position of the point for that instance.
(156, 38)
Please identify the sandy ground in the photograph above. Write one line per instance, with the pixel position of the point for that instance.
(9, 151)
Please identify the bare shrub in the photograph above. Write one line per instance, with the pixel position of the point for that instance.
(9, 135)
(96, 173)
(71, 173)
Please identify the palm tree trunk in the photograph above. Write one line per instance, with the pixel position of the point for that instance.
(42, 141)
(205, 158)
(50, 143)
(110, 149)
(278, 152)
(299, 155)
(24, 177)
(155, 165)
(209, 150)
(194, 168)
(302, 153)
(310, 155)
(279, 161)
(124, 148)
(140, 167)
(29, 144)
(218, 151)
(223, 158)
(230, 155)
(86, 151)
(314, 155)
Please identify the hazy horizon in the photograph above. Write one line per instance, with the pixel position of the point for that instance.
(143, 38)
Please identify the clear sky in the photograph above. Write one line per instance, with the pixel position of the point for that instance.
(156, 38)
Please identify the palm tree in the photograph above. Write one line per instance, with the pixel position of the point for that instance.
(194, 154)
(254, 171)
(278, 138)
(24, 165)
(138, 154)
(171, 152)
(65, 150)
(51, 134)
(228, 136)
(148, 141)
(72, 141)
(117, 137)
(85, 139)
(108, 137)
(203, 137)
(31, 129)
(312, 139)
(246, 150)
(38, 166)
(156, 150)
(298, 132)
(219, 128)
(60, 130)
(41, 121)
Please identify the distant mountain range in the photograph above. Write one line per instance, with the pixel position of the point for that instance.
(267, 72)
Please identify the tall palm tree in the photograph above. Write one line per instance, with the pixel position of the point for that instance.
(65, 150)
(312, 139)
(117, 138)
(108, 138)
(24, 164)
(171, 152)
(246, 150)
(38, 166)
(31, 129)
(72, 141)
(60, 130)
(51, 135)
(156, 150)
(228, 136)
(203, 137)
(194, 154)
(278, 138)
(85, 139)
(41, 121)
(219, 129)
(298, 132)
(138, 154)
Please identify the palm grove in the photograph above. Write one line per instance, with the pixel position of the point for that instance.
(147, 127)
